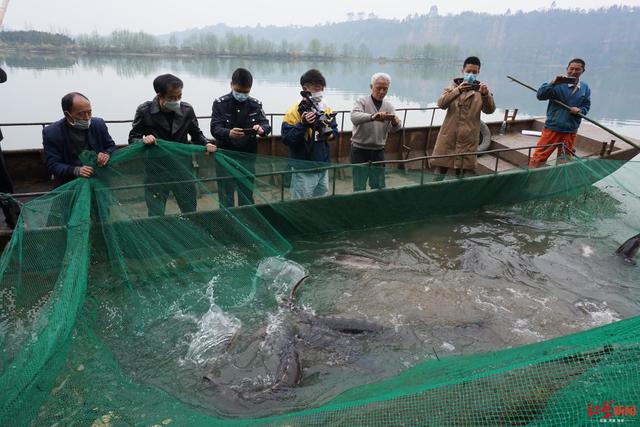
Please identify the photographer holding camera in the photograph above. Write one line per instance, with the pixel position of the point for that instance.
(306, 129)
(464, 99)
(562, 124)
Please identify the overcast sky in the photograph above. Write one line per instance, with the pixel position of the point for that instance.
(164, 16)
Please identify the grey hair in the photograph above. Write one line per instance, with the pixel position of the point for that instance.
(381, 76)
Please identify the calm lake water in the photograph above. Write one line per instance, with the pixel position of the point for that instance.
(117, 85)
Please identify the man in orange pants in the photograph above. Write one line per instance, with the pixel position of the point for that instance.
(562, 125)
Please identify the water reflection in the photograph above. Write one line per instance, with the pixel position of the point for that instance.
(117, 84)
(40, 62)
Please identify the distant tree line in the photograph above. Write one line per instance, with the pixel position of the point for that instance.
(231, 44)
(602, 36)
(119, 41)
(427, 52)
(37, 38)
(246, 45)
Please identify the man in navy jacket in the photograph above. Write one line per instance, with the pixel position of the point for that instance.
(78, 131)
(9, 206)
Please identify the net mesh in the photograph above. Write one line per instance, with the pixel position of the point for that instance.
(122, 293)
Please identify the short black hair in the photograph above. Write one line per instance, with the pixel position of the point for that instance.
(578, 61)
(313, 77)
(242, 77)
(67, 100)
(473, 60)
(162, 84)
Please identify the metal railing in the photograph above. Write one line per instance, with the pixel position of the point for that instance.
(424, 161)
(340, 120)
(341, 114)
(270, 116)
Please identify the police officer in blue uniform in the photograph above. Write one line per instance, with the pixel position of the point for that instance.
(237, 120)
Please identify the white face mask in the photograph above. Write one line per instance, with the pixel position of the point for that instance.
(80, 124)
(172, 105)
(317, 96)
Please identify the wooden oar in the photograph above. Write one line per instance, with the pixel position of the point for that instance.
(601, 126)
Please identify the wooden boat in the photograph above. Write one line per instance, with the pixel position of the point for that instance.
(408, 150)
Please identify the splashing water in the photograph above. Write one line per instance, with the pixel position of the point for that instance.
(279, 275)
(215, 330)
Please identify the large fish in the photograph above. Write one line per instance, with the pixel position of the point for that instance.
(282, 343)
(360, 261)
(279, 346)
(300, 326)
(629, 249)
(338, 324)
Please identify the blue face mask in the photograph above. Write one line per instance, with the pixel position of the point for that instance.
(469, 78)
(240, 97)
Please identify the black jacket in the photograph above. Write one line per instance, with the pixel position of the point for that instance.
(227, 113)
(150, 120)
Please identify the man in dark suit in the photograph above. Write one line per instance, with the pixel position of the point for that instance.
(9, 206)
(167, 117)
(78, 131)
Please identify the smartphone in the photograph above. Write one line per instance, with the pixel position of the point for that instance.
(564, 79)
(249, 131)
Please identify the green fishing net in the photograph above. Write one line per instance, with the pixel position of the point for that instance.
(117, 308)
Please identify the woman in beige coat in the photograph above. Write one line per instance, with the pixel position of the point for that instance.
(464, 99)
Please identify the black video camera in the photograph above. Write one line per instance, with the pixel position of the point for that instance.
(322, 125)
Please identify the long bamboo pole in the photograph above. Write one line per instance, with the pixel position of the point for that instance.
(601, 126)
(3, 10)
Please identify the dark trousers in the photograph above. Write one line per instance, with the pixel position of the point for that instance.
(361, 174)
(170, 175)
(156, 195)
(228, 187)
(9, 206)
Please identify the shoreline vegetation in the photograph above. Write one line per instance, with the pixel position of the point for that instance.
(544, 36)
(603, 36)
(128, 43)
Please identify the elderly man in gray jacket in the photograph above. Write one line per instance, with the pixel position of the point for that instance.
(372, 119)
